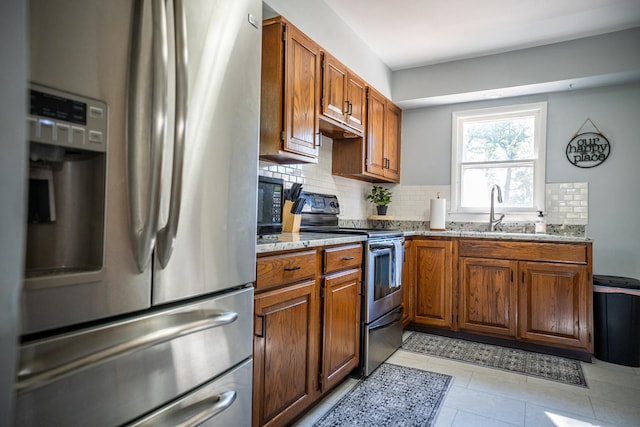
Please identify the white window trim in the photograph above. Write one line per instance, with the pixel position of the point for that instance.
(539, 109)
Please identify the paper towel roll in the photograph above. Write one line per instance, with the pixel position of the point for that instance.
(438, 214)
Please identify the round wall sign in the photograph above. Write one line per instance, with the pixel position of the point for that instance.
(588, 150)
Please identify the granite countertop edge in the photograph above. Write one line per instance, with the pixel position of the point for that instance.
(292, 241)
(499, 235)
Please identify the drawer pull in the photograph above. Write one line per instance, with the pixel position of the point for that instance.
(294, 268)
(347, 258)
(79, 356)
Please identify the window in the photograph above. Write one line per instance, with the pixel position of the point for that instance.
(503, 146)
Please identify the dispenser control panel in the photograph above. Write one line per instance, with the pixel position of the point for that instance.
(67, 120)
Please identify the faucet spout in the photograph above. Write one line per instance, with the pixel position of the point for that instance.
(493, 223)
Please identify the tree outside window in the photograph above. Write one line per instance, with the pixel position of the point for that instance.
(503, 146)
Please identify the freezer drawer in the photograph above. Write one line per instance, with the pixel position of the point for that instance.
(381, 339)
(223, 402)
(116, 373)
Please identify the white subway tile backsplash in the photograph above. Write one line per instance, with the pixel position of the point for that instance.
(566, 202)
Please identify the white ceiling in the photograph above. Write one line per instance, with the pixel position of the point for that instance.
(410, 33)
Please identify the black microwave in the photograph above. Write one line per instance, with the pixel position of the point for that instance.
(270, 199)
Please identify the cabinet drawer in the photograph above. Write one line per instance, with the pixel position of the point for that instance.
(528, 251)
(285, 268)
(342, 257)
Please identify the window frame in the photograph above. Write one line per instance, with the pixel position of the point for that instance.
(539, 111)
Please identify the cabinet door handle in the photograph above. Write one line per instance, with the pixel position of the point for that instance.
(347, 258)
(262, 326)
(294, 268)
(350, 111)
(346, 107)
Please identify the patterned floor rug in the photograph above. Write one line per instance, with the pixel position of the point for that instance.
(391, 396)
(554, 368)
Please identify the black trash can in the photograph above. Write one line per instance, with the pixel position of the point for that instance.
(616, 315)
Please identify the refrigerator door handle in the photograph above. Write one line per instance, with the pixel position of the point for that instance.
(79, 357)
(144, 223)
(204, 409)
(167, 235)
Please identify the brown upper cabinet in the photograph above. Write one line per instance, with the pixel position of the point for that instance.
(377, 158)
(305, 92)
(290, 94)
(391, 147)
(344, 97)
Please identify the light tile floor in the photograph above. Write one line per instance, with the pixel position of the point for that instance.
(489, 397)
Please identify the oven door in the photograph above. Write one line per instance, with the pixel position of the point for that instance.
(383, 280)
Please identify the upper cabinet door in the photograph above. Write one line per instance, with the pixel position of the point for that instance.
(393, 120)
(357, 102)
(334, 82)
(375, 134)
(302, 96)
(289, 94)
(344, 99)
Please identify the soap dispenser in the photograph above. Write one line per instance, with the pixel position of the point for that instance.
(541, 225)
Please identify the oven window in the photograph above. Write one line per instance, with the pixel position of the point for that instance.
(383, 277)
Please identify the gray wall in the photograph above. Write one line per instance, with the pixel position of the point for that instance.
(614, 192)
(589, 62)
(13, 18)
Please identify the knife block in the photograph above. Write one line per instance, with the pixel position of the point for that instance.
(290, 222)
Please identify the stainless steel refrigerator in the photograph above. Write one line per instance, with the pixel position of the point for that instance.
(137, 302)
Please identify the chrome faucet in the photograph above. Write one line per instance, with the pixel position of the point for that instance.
(493, 223)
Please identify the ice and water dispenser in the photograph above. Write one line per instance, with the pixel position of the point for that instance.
(67, 175)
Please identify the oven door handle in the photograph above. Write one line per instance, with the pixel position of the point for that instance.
(386, 325)
(380, 247)
(393, 322)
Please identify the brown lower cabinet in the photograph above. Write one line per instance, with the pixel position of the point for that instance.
(285, 352)
(488, 296)
(432, 291)
(526, 291)
(341, 331)
(557, 306)
(306, 328)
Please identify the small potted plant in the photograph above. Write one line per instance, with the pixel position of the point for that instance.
(381, 197)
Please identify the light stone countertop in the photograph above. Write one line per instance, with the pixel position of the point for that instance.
(499, 235)
(290, 241)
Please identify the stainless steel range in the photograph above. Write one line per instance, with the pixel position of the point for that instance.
(382, 283)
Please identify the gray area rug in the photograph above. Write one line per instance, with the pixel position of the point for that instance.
(391, 396)
(560, 369)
